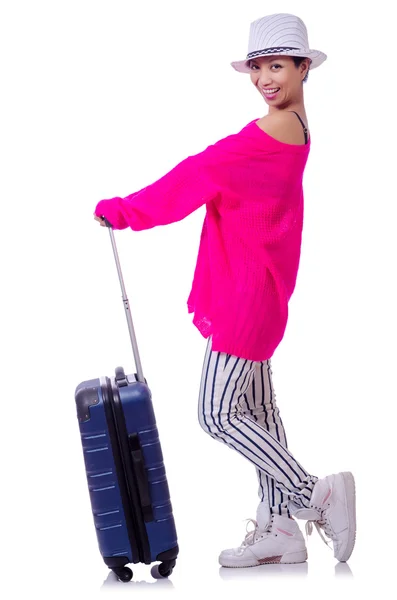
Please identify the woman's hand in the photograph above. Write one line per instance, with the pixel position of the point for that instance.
(101, 221)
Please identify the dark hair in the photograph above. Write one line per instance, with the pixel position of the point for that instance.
(298, 60)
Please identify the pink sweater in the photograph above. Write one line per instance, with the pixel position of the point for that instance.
(250, 243)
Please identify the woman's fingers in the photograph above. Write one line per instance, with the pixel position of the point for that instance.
(101, 221)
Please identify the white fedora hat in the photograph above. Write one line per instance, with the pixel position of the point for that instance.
(281, 33)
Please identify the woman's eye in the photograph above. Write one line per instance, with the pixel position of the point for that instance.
(253, 66)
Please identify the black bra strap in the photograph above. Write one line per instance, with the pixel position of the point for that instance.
(303, 125)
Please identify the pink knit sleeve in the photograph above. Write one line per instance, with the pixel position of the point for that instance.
(171, 198)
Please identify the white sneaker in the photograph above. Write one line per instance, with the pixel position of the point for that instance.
(333, 509)
(280, 542)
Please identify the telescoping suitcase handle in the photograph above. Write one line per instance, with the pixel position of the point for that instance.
(126, 304)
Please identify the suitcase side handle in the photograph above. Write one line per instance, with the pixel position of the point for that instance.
(126, 305)
(141, 476)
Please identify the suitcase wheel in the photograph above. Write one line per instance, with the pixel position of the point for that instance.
(124, 574)
(163, 570)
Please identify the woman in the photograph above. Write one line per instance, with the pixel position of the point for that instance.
(251, 185)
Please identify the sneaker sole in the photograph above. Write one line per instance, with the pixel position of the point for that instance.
(350, 496)
(286, 559)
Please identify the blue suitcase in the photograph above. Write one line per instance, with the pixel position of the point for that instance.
(124, 464)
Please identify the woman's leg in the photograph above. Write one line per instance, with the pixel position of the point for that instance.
(259, 404)
(223, 415)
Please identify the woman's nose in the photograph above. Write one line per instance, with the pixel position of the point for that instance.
(264, 83)
(264, 79)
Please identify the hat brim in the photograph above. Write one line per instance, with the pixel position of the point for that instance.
(316, 57)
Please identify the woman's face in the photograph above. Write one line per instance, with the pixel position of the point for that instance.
(269, 72)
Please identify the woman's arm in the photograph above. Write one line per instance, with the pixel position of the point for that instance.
(169, 199)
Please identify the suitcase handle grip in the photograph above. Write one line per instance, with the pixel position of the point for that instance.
(107, 223)
(126, 303)
(141, 476)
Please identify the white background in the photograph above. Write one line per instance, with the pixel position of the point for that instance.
(100, 99)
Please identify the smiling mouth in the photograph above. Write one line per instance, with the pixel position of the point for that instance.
(270, 91)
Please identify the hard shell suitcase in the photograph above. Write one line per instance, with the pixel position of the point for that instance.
(124, 464)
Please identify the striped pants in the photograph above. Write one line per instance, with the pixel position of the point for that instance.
(237, 406)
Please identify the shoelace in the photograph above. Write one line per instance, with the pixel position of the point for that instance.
(320, 524)
(252, 536)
